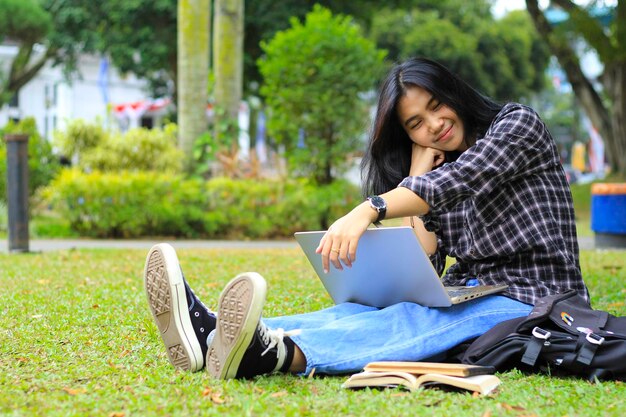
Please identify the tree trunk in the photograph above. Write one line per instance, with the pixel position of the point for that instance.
(228, 69)
(615, 84)
(23, 70)
(193, 69)
(611, 123)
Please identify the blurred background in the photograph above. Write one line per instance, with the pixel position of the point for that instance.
(247, 119)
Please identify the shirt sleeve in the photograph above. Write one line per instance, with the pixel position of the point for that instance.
(516, 144)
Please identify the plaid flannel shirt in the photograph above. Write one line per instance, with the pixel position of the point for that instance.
(504, 210)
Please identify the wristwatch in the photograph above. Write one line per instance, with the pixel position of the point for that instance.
(378, 204)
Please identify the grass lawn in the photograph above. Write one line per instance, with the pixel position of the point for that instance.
(77, 339)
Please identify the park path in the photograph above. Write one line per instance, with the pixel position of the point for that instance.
(46, 245)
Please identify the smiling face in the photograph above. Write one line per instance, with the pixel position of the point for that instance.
(429, 122)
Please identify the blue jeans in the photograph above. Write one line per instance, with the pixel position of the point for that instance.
(345, 337)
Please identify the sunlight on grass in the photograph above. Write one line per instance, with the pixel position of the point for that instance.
(76, 339)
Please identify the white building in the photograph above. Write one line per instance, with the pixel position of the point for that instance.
(95, 93)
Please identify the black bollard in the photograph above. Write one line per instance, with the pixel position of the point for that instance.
(17, 191)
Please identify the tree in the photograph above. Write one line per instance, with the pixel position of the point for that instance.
(502, 58)
(25, 22)
(46, 32)
(193, 69)
(263, 18)
(313, 75)
(136, 34)
(138, 37)
(228, 69)
(605, 104)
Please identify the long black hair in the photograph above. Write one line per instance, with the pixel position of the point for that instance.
(388, 156)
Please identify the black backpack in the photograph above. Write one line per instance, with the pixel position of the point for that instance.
(561, 335)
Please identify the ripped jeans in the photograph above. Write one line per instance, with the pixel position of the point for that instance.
(345, 337)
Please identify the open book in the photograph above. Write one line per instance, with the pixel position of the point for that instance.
(482, 384)
(453, 369)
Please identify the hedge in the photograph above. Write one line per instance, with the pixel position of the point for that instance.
(141, 204)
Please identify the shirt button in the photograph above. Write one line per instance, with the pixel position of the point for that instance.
(472, 251)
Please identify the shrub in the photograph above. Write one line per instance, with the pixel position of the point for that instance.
(133, 204)
(127, 204)
(314, 76)
(78, 137)
(139, 149)
(250, 208)
(42, 163)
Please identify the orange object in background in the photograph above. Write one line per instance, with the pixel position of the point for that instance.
(608, 188)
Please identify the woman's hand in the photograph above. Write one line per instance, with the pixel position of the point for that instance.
(424, 159)
(340, 241)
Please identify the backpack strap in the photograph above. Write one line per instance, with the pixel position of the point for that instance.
(535, 345)
(588, 349)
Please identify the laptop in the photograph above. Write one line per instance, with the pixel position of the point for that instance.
(390, 267)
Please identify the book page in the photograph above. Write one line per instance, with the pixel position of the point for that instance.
(454, 369)
(483, 384)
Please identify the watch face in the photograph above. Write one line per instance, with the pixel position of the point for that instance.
(377, 202)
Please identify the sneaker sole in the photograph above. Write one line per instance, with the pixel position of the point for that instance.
(239, 311)
(165, 290)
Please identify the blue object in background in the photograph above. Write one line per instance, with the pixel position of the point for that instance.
(103, 79)
(608, 213)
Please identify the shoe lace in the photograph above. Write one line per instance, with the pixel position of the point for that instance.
(271, 338)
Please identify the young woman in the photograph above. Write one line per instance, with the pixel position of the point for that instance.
(479, 181)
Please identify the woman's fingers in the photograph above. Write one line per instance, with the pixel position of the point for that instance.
(352, 250)
(339, 253)
(330, 251)
(439, 158)
(334, 257)
(327, 252)
(344, 256)
(424, 159)
(331, 248)
(347, 253)
(338, 245)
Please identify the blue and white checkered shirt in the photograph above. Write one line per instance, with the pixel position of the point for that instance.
(504, 210)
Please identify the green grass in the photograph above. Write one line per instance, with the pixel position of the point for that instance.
(581, 194)
(77, 339)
